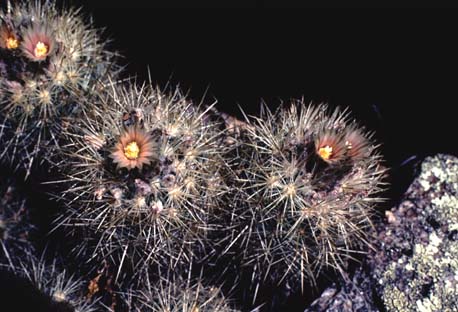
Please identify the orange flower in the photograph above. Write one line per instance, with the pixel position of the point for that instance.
(38, 43)
(330, 147)
(8, 39)
(134, 149)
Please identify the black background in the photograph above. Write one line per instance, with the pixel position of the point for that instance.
(270, 3)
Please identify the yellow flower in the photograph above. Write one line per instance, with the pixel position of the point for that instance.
(8, 40)
(330, 146)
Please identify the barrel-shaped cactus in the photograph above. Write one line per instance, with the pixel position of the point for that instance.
(309, 180)
(143, 178)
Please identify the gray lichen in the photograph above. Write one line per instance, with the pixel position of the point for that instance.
(439, 178)
(416, 267)
(433, 282)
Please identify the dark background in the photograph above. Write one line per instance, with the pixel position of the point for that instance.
(270, 3)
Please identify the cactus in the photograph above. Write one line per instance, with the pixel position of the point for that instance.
(142, 178)
(177, 294)
(63, 290)
(309, 180)
(50, 60)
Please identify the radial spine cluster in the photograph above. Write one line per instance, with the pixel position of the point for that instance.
(178, 294)
(63, 289)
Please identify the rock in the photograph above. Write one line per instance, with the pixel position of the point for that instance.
(415, 267)
(352, 296)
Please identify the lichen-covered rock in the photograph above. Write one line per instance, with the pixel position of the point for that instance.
(352, 296)
(416, 263)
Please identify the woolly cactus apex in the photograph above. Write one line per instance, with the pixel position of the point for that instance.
(143, 178)
(63, 290)
(49, 60)
(311, 180)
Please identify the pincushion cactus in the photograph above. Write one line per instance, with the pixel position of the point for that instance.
(310, 180)
(143, 178)
(50, 59)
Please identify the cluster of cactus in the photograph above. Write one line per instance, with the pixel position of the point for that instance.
(49, 60)
(149, 182)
